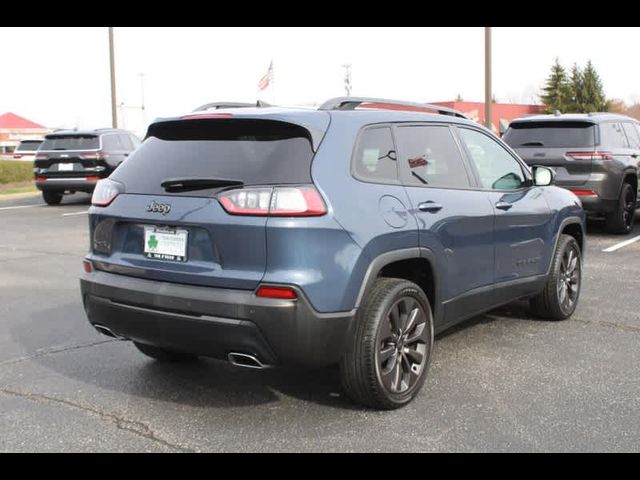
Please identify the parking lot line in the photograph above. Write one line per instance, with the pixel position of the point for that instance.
(19, 206)
(84, 212)
(620, 245)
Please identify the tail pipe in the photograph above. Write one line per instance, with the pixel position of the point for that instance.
(246, 361)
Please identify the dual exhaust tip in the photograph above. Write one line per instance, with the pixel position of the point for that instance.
(243, 360)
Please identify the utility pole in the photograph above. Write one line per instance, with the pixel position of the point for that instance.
(488, 94)
(142, 97)
(112, 65)
(347, 78)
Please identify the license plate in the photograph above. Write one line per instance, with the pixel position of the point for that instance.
(163, 244)
(65, 167)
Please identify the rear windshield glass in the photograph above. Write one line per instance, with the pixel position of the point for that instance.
(28, 146)
(71, 142)
(550, 134)
(254, 152)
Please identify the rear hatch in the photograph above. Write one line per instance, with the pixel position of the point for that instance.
(180, 232)
(565, 146)
(70, 156)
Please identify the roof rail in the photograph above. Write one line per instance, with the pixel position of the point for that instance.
(219, 105)
(351, 103)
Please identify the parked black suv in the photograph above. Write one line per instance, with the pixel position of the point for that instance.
(72, 161)
(594, 155)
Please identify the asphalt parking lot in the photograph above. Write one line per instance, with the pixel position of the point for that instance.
(500, 382)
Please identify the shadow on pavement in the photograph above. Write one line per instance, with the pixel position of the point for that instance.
(119, 367)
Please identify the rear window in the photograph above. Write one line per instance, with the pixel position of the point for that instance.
(255, 152)
(28, 146)
(71, 142)
(550, 134)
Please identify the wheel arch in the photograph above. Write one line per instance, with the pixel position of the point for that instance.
(414, 264)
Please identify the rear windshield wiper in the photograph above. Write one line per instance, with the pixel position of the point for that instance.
(197, 183)
(532, 144)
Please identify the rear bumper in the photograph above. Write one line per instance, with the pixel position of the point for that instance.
(213, 322)
(598, 196)
(62, 184)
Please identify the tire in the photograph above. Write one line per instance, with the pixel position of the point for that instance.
(565, 276)
(162, 354)
(622, 219)
(370, 369)
(52, 197)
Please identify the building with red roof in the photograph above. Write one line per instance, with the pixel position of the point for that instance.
(502, 113)
(14, 128)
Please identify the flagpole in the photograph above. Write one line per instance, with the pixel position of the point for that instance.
(273, 81)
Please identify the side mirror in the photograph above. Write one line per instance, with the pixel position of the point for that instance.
(543, 176)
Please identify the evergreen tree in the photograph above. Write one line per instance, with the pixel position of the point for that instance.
(576, 86)
(556, 94)
(592, 94)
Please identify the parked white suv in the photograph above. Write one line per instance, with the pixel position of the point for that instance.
(26, 150)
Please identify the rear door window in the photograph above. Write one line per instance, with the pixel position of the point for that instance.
(375, 159)
(429, 156)
(70, 142)
(254, 152)
(632, 135)
(561, 134)
(612, 135)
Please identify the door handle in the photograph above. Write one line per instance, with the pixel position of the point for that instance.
(430, 207)
(504, 206)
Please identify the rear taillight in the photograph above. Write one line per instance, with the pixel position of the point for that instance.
(590, 155)
(94, 156)
(584, 193)
(281, 293)
(42, 156)
(88, 266)
(41, 179)
(105, 192)
(274, 202)
(17, 156)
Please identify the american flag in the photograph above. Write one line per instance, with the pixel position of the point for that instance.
(267, 79)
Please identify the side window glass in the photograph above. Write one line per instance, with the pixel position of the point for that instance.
(612, 136)
(430, 156)
(375, 158)
(125, 143)
(497, 168)
(632, 135)
(110, 143)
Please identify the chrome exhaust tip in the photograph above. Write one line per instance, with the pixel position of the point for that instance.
(245, 360)
(107, 331)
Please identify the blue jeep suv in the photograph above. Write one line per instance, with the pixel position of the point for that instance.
(345, 235)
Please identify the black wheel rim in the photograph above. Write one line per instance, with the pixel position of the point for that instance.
(569, 279)
(403, 345)
(629, 208)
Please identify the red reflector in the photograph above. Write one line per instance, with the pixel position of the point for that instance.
(40, 179)
(207, 116)
(283, 293)
(17, 156)
(92, 179)
(585, 193)
(86, 264)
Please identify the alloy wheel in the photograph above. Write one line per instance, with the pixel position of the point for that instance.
(403, 343)
(569, 279)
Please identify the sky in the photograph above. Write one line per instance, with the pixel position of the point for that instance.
(60, 76)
